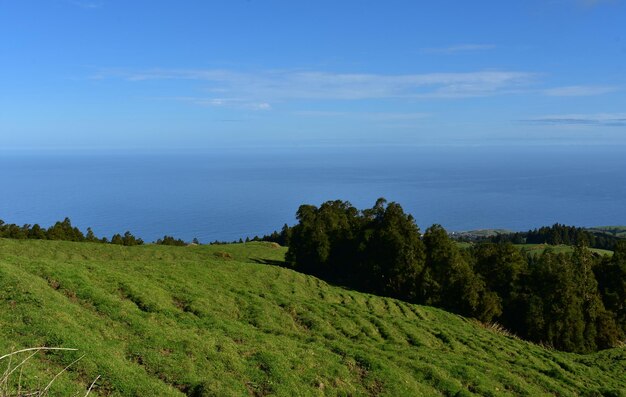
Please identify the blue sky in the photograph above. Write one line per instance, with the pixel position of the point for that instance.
(79, 74)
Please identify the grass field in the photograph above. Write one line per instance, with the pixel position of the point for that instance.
(537, 249)
(617, 231)
(214, 320)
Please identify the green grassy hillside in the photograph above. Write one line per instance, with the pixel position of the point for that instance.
(538, 249)
(618, 231)
(214, 320)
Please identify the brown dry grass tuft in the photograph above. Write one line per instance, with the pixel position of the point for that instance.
(7, 388)
(498, 329)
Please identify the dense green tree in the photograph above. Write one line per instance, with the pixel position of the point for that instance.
(611, 276)
(129, 240)
(16, 232)
(600, 328)
(285, 235)
(169, 240)
(90, 236)
(555, 309)
(37, 233)
(391, 250)
(564, 307)
(64, 231)
(502, 267)
(323, 242)
(117, 239)
(448, 281)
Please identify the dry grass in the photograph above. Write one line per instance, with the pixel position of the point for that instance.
(498, 329)
(8, 388)
(223, 255)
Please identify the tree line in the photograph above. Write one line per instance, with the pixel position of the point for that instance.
(65, 231)
(559, 234)
(573, 302)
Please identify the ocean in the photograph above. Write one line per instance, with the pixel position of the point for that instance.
(226, 194)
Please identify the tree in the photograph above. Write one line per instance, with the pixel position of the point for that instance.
(64, 231)
(554, 314)
(37, 233)
(600, 328)
(324, 239)
(448, 280)
(611, 276)
(285, 235)
(502, 267)
(91, 237)
(169, 240)
(16, 232)
(565, 309)
(391, 250)
(130, 240)
(117, 239)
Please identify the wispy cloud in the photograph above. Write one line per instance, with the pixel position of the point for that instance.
(459, 48)
(367, 116)
(580, 90)
(222, 102)
(598, 119)
(276, 86)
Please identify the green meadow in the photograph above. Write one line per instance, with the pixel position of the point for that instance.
(538, 249)
(617, 231)
(224, 320)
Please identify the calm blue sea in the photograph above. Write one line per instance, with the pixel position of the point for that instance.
(226, 194)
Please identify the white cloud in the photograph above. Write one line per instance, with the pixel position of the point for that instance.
(272, 86)
(222, 102)
(261, 106)
(580, 90)
(368, 116)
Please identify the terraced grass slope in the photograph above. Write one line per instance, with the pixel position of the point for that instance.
(211, 320)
